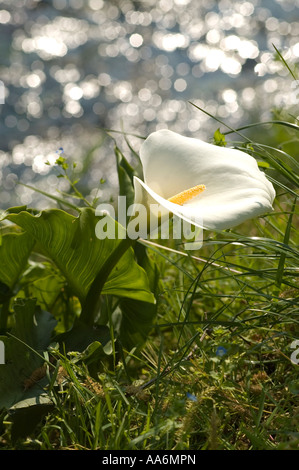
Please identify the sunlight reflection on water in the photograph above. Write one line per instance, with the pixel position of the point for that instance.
(72, 67)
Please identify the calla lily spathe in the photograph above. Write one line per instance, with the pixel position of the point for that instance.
(232, 189)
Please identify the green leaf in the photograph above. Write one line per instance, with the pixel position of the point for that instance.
(262, 164)
(14, 252)
(282, 258)
(26, 415)
(81, 336)
(71, 243)
(43, 282)
(94, 353)
(5, 293)
(219, 138)
(135, 322)
(13, 210)
(125, 176)
(150, 268)
(23, 350)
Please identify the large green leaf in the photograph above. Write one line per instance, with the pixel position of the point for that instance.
(26, 415)
(14, 251)
(72, 244)
(43, 282)
(134, 321)
(125, 176)
(23, 351)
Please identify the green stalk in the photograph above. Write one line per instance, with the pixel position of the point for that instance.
(280, 269)
(90, 305)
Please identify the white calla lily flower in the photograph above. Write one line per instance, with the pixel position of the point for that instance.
(212, 187)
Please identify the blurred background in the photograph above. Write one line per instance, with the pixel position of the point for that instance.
(70, 68)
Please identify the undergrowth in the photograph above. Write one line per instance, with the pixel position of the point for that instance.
(218, 369)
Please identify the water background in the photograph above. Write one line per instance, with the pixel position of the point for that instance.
(70, 68)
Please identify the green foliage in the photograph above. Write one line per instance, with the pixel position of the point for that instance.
(71, 243)
(24, 361)
(219, 138)
(14, 252)
(52, 261)
(117, 345)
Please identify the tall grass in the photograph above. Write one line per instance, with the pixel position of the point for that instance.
(216, 370)
(219, 369)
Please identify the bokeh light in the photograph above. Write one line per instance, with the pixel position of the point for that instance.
(70, 68)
